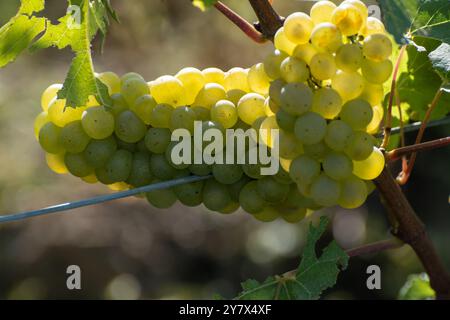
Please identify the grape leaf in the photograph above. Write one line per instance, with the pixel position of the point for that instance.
(417, 288)
(313, 276)
(29, 7)
(203, 4)
(440, 59)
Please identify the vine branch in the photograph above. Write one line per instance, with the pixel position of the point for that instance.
(269, 20)
(426, 146)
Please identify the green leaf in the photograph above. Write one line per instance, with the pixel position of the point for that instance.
(440, 59)
(313, 276)
(398, 15)
(203, 4)
(417, 288)
(29, 7)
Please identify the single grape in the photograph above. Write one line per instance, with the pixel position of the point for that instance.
(310, 128)
(296, 98)
(183, 118)
(157, 140)
(325, 191)
(143, 108)
(73, 138)
(357, 114)
(56, 163)
(50, 94)
(266, 133)
(275, 91)
(294, 70)
(258, 80)
(371, 167)
(250, 199)
(190, 194)
(231, 208)
(133, 89)
(282, 42)
(102, 176)
(193, 81)
(322, 11)
(293, 215)
(373, 93)
(298, 27)
(326, 37)
(374, 125)
(129, 127)
(289, 146)
(377, 47)
(348, 19)
(225, 113)
(237, 78)
(98, 152)
(272, 63)
(304, 169)
(268, 108)
(209, 95)
(39, 122)
(337, 166)
(372, 26)
(119, 104)
(111, 80)
(49, 138)
(169, 90)
(77, 165)
(349, 57)
(118, 167)
(60, 115)
(338, 135)
(140, 174)
(162, 198)
(161, 168)
(98, 123)
(216, 196)
(323, 66)
(202, 114)
(214, 75)
(305, 52)
(286, 121)
(132, 147)
(360, 146)
(283, 177)
(349, 85)
(377, 72)
(353, 193)
(317, 151)
(235, 95)
(268, 214)
(200, 169)
(271, 190)
(327, 102)
(361, 6)
(251, 107)
(131, 75)
(161, 116)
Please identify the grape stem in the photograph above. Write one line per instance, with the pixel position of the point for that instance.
(241, 23)
(430, 145)
(269, 20)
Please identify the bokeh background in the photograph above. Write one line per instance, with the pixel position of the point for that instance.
(127, 249)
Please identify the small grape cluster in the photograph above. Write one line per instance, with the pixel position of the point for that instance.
(321, 88)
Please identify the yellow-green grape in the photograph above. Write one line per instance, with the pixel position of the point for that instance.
(377, 72)
(357, 114)
(268, 108)
(140, 174)
(294, 70)
(60, 115)
(227, 173)
(293, 215)
(193, 81)
(305, 52)
(372, 26)
(251, 107)
(237, 78)
(250, 199)
(133, 89)
(216, 196)
(143, 108)
(169, 90)
(209, 95)
(327, 102)
(323, 66)
(202, 114)
(353, 193)
(322, 11)
(285, 164)
(371, 167)
(317, 151)
(190, 194)
(338, 135)
(348, 19)
(285, 120)
(272, 63)
(360, 146)
(271, 190)
(49, 94)
(374, 125)
(326, 37)
(77, 165)
(298, 27)
(161, 168)
(118, 167)
(119, 104)
(258, 80)
(373, 93)
(98, 152)
(225, 113)
(129, 128)
(377, 47)
(91, 179)
(231, 208)
(268, 214)
(349, 57)
(161, 199)
(349, 85)
(49, 138)
(214, 75)
(131, 75)
(361, 6)
(282, 43)
(290, 148)
(92, 102)
(275, 91)
(325, 191)
(98, 123)
(161, 116)
(265, 130)
(296, 98)
(56, 163)
(337, 166)
(183, 118)
(120, 186)
(111, 80)
(73, 138)
(310, 128)
(39, 122)
(157, 140)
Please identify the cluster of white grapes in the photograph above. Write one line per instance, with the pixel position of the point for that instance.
(322, 88)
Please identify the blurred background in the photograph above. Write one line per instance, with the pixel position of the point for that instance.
(127, 249)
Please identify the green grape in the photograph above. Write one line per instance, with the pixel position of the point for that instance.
(360, 146)
(141, 147)
(73, 138)
(202, 114)
(102, 175)
(310, 128)
(353, 193)
(357, 114)
(295, 199)
(258, 80)
(131, 75)
(374, 125)
(119, 104)
(169, 90)
(209, 95)
(275, 91)
(298, 27)
(236, 188)
(377, 72)
(283, 177)
(193, 81)
(282, 43)
(60, 115)
(235, 95)
(140, 174)
(118, 167)
(349, 57)
(129, 127)
(294, 70)
(98, 123)
(325, 191)
(133, 89)
(377, 47)
(225, 113)
(56, 163)
(289, 147)
(322, 11)
(337, 166)
(227, 173)
(361, 6)
(372, 26)
(305, 52)
(161, 199)
(251, 107)
(143, 108)
(77, 165)
(39, 122)
(272, 63)
(285, 121)
(323, 66)
(190, 194)
(157, 140)
(327, 102)
(161, 116)
(373, 93)
(231, 208)
(49, 95)
(214, 75)
(252, 170)
(348, 19)
(317, 151)
(216, 196)
(338, 135)
(326, 37)
(371, 167)
(200, 169)
(268, 214)
(271, 190)
(304, 169)
(98, 152)
(348, 85)
(293, 215)
(169, 157)
(237, 78)
(161, 168)
(111, 80)
(250, 199)
(49, 138)
(296, 98)
(183, 118)
(126, 145)
(266, 133)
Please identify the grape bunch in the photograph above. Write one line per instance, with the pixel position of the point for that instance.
(321, 88)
